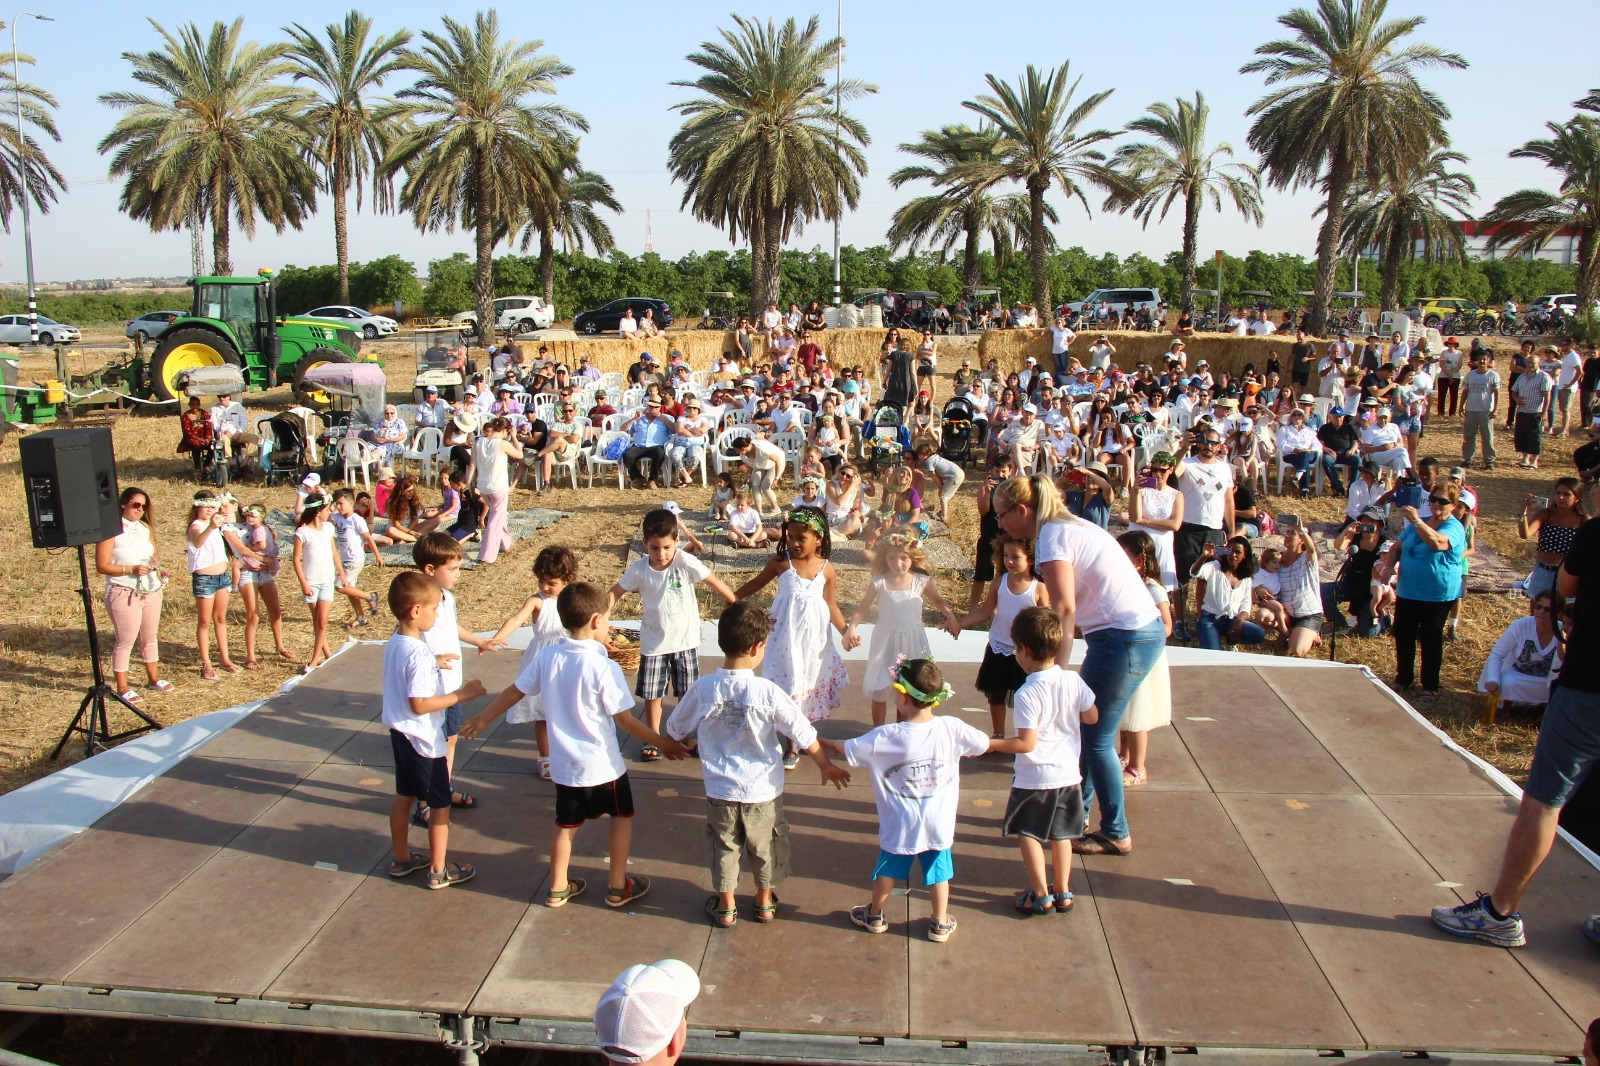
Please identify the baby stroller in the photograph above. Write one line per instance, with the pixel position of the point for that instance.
(285, 459)
(955, 443)
(886, 438)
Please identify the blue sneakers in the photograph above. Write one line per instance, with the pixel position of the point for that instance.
(1474, 922)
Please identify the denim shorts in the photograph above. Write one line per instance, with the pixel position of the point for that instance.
(937, 866)
(1568, 748)
(208, 585)
(452, 720)
(322, 593)
(1409, 425)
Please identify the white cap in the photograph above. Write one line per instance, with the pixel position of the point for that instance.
(1031, 359)
(640, 1012)
(1029, 408)
(311, 480)
(672, 505)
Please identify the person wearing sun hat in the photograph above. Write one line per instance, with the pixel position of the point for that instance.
(643, 1016)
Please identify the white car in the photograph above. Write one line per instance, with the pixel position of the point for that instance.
(14, 330)
(515, 314)
(371, 326)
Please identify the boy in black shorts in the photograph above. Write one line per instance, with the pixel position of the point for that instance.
(584, 693)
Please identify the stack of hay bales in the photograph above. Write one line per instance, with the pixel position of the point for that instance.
(702, 348)
(1011, 348)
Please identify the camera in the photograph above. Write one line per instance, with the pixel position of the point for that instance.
(1288, 521)
(1366, 527)
(1406, 481)
(1539, 503)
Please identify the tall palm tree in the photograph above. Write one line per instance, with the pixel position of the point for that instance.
(571, 217)
(476, 149)
(1177, 164)
(349, 140)
(767, 145)
(960, 213)
(44, 181)
(1348, 108)
(1590, 102)
(1042, 146)
(218, 133)
(1526, 220)
(1426, 201)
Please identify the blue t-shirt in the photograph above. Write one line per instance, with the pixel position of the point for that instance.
(1427, 574)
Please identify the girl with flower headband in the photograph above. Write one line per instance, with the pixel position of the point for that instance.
(802, 657)
(317, 565)
(207, 555)
(900, 584)
(258, 584)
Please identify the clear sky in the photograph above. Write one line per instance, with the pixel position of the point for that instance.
(925, 57)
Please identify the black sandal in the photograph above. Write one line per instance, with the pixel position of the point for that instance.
(722, 919)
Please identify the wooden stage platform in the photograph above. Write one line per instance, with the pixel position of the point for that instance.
(1297, 828)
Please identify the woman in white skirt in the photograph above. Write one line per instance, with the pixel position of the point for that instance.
(1156, 508)
(1151, 706)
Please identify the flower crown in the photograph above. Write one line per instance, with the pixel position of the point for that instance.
(902, 685)
(905, 541)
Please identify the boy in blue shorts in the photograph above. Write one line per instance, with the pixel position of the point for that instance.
(414, 708)
(916, 782)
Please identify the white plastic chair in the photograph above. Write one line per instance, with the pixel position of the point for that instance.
(806, 417)
(611, 423)
(735, 416)
(612, 381)
(542, 398)
(426, 445)
(794, 443)
(633, 397)
(359, 460)
(595, 458)
(725, 457)
(570, 465)
(408, 415)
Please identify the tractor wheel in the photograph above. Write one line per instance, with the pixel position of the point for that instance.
(313, 397)
(187, 349)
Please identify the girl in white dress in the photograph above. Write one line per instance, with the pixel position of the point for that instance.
(1151, 705)
(900, 584)
(999, 675)
(802, 657)
(555, 567)
(1157, 509)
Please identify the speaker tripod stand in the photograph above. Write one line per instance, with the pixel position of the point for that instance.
(97, 733)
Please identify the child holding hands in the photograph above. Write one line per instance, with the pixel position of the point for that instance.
(999, 675)
(555, 567)
(900, 584)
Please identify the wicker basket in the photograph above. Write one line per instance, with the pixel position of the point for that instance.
(624, 650)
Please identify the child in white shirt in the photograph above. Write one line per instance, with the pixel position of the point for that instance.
(744, 524)
(414, 706)
(916, 783)
(585, 701)
(739, 721)
(555, 568)
(1265, 590)
(1046, 802)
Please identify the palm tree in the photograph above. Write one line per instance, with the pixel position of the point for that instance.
(574, 219)
(1591, 102)
(960, 213)
(1424, 202)
(767, 146)
(349, 141)
(1349, 108)
(1526, 220)
(44, 181)
(477, 151)
(1041, 146)
(219, 133)
(1177, 165)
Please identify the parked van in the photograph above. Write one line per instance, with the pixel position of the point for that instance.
(1118, 299)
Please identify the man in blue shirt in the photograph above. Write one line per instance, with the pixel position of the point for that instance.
(650, 432)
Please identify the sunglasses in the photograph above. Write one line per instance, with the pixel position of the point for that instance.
(135, 503)
(1540, 608)
(1447, 501)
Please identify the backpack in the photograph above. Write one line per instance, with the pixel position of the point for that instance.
(614, 449)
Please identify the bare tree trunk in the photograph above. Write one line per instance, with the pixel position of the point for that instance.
(1036, 260)
(1338, 182)
(221, 260)
(483, 285)
(759, 235)
(1588, 279)
(341, 232)
(969, 254)
(1191, 242)
(547, 264)
(1394, 252)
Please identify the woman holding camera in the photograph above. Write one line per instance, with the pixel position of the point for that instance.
(1427, 558)
(133, 592)
(1362, 540)
(1223, 584)
(1552, 521)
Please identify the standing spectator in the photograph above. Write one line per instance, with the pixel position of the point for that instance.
(1589, 384)
(1428, 554)
(1301, 358)
(1480, 389)
(1101, 354)
(1520, 362)
(489, 456)
(1061, 335)
(1448, 386)
(1567, 751)
(132, 570)
(1533, 392)
(1553, 526)
(1206, 482)
(1571, 376)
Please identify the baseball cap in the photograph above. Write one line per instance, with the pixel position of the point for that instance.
(431, 388)
(1337, 412)
(1029, 408)
(640, 1012)
(1458, 473)
(1032, 360)
(311, 480)
(672, 505)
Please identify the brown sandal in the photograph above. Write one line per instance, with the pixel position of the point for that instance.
(1100, 844)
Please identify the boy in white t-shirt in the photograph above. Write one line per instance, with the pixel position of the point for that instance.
(739, 721)
(555, 567)
(916, 783)
(352, 539)
(669, 631)
(438, 555)
(1046, 802)
(414, 706)
(585, 701)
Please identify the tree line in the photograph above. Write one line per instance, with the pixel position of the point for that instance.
(455, 126)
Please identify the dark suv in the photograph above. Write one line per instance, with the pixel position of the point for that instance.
(605, 319)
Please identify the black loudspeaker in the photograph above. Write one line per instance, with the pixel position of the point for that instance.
(70, 478)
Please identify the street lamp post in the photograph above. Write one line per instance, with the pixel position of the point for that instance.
(22, 165)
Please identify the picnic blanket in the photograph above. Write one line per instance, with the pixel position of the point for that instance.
(522, 524)
(943, 553)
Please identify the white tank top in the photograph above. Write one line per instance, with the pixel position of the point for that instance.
(1007, 606)
(212, 550)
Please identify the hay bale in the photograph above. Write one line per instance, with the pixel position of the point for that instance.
(1011, 348)
(702, 348)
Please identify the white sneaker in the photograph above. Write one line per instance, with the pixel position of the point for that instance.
(1474, 922)
(544, 768)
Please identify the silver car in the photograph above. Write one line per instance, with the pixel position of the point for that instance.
(14, 330)
(371, 326)
(149, 326)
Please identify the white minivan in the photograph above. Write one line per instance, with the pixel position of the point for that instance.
(1117, 300)
(516, 314)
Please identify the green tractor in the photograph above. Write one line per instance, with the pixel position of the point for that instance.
(236, 321)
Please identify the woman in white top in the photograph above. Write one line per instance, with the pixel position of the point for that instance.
(1157, 509)
(844, 502)
(1525, 658)
(207, 556)
(133, 592)
(1223, 584)
(489, 456)
(1092, 585)
(693, 434)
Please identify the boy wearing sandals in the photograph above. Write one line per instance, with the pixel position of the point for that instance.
(585, 701)
(1046, 803)
(669, 627)
(740, 721)
(916, 783)
(414, 706)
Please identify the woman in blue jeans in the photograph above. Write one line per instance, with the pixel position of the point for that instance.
(1223, 584)
(1095, 588)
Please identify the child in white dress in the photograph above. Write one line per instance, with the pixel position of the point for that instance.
(554, 569)
(900, 584)
(1151, 705)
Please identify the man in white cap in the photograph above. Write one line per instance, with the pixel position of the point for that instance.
(1025, 376)
(433, 412)
(232, 427)
(1023, 438)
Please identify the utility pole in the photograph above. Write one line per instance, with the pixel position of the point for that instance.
(838, 107)
(22, 166)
